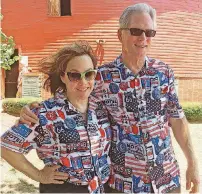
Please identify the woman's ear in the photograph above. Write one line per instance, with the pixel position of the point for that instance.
(119, 34)
(62, 77)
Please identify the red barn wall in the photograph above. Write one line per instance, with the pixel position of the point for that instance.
(178, 40)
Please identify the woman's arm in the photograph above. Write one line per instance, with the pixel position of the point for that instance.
(47, 175)
(19, 162)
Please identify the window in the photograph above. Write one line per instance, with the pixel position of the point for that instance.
(59, 7)
(65, 7)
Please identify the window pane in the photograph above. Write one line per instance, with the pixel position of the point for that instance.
(54, 7)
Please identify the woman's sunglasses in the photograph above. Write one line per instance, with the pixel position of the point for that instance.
(88, 75)
(138, 32)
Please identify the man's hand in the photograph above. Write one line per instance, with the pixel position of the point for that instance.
(50, 175)
(181, 132)
(27, 116)
(192, 177)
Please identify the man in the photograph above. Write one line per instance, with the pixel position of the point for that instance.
(139, 94)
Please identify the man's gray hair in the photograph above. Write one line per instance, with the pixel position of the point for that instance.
(137, 8)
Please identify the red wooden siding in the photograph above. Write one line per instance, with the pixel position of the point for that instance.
(190, 90)
(178, 41)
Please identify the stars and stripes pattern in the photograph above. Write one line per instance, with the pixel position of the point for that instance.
(139, 106)
(138, 167)
(64, 138)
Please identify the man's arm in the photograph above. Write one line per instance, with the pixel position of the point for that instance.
(182, 135)
(28, 117)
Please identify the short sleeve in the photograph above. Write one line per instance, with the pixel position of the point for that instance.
(22, 138)
(174, 108)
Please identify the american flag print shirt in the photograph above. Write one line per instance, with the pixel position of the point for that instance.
(140, 106)
(63, 138)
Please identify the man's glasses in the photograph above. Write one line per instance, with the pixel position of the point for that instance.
(88, 75)
(138, 32)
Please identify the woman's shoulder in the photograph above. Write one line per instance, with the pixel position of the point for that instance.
(51, 104)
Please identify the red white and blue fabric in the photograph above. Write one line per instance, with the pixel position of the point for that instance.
(140, 106)
(63, 138)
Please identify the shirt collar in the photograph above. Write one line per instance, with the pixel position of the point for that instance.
(61, 98)
(118, 62)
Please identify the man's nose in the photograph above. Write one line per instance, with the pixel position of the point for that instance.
(142, 36)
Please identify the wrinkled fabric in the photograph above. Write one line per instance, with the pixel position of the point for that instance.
(63, 138)
(140, 107)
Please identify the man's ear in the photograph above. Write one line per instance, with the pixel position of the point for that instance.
(119, 34)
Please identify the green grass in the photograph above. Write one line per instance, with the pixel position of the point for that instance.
(193, 111)
(13, 106)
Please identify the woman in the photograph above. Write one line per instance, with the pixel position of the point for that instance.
(72, 139)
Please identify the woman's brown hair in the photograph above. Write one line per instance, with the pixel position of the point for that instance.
(55, 65)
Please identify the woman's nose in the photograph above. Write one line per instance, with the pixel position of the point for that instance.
(83, 81)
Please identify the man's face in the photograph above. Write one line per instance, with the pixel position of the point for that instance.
(138, 46)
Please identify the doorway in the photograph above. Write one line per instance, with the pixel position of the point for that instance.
(11, 80)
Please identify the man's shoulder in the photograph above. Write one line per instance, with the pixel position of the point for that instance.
(107, 66)
(157, 64)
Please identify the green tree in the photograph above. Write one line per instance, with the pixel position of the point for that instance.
(7, 50)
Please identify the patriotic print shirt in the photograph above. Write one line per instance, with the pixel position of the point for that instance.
(140, 106)
(63, 138)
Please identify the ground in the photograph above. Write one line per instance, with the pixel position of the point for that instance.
(15, 182)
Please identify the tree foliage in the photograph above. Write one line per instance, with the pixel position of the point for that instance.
(7, 50)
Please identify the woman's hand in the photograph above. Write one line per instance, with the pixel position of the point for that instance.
(50, 175)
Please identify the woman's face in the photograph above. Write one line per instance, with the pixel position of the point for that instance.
(81, 89)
